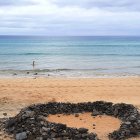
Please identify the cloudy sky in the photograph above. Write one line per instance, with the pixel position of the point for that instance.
(70, 17)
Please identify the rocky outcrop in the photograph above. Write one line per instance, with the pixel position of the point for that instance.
(31, 124)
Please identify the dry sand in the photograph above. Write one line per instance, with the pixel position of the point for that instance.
(17, 93)
(103, 124)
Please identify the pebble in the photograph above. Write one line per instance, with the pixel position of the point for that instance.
(127, 123)
(76, 115)
(95, 113)
(46, 129)
(4, 114)
(83, 130)
(21, 136)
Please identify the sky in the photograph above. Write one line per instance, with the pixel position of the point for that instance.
(70, 17)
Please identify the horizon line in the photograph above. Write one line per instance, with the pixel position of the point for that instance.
(71, 35)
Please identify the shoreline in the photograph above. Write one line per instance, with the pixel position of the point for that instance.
(65, 73)
(67, 77)
(12, 77)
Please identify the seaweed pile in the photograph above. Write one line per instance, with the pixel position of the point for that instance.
(31, 122)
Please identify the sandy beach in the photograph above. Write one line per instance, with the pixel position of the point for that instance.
(17, 93)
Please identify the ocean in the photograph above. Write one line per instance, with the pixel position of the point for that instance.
(90, 56)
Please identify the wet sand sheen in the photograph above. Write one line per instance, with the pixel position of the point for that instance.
(101, 125)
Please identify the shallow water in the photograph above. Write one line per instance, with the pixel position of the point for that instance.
(70, 56)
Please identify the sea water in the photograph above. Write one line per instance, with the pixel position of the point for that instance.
(90, 56)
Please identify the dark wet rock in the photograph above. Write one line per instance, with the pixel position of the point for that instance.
(10, 123)
(21, 136)
(95, 113)
(83, 130)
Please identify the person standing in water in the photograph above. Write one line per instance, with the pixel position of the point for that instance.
(33, 67)
(33, 64)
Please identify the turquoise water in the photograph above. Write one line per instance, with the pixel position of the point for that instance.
(70, 56)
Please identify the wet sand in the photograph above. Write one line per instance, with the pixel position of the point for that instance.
(17, 93)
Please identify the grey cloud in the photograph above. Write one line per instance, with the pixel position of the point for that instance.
(66, 22)
(106, 4)
(26, 24)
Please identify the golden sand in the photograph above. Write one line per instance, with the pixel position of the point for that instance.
(103, 125)
(17, 93)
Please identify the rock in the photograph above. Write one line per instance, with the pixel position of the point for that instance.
(127, 123)
(29, 113)
(65, 134)
(53, 135)
(84, 135)
(95, 113)
(4, 114)
(39, 138)
(138, 121)
(132, 118)
(10, 123)
(11, 129)
(76, 115)
(116, 112)
(83, 130)
(31, 123)
(46, 129)
(21, 136)
(93, 136)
